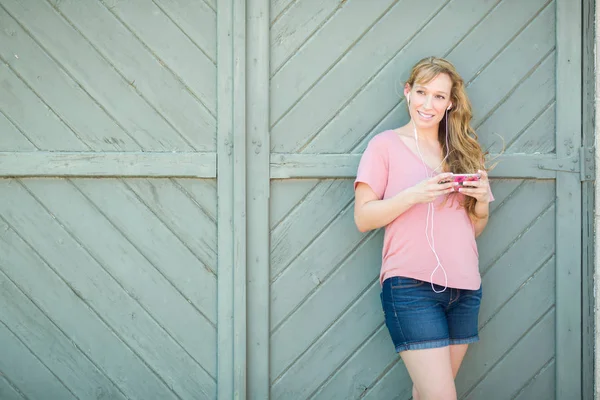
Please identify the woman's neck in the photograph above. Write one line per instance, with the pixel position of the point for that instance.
(428, 134)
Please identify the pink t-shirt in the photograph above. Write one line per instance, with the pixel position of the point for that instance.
(389, 166)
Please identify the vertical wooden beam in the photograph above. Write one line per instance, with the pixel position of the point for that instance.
(568, 202)
(588, 199)
(258, 157)
(231, 178)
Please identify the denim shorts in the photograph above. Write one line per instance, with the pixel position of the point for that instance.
(419, 318)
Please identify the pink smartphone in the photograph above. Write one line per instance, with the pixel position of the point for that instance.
(460, 178)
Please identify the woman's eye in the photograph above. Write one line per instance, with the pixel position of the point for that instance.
(441, 97)
(420, 92)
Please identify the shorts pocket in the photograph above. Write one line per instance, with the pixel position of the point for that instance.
(400, 282)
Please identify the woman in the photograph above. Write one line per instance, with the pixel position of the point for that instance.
(431, 287)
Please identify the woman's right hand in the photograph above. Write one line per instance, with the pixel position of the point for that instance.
(430, 189)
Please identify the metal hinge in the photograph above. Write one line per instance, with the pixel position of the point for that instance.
(582, 163)
(587, 164)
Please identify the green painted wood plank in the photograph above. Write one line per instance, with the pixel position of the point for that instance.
(292, 30)
(535, 139)
(568, 202)
(539, 166)
(176, 210)
(382, 91)
(12, 138)
(286, 195)
(508, 223)
(257, 198)
(139, 66)
(8, 392)
(514, 320)
(278, 6)
(522, 108)
(503, 189)
(197, 20)
(503, 75)
(171, 47)
(191, 277)
(172, 318)
(50, 345)
(61, 300)
(492, 35)
(541, 386)
(110, 164)
(26, 372)
(225, 306)
(329, 351)
(520, 364)
(231, 192)
(517, 264)
(321, 309)
(395, 384)
(60, 92)
(32, 116)
(311, 62)
(361, 370)
(116, 95)
(502, 19)
(158, 328)
(314, 265)
(292, 236)
(203, 192)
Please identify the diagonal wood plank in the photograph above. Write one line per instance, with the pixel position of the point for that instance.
(296, 26)
(509, 16)
(291, 131)
(325, 355)
(12, 138)
(313, 267)
(139, 67)
(203, 192)
(33, 117)
(7, 391)
(197, 20)
(363, 368)
(60, 300)
(535, 138)
(171, 314)
(521, 363)
(541, 386)
(289, 239)
(23, 368)
(194, 281)
(162, 329)
(173, 49)
(63, 358)
(286, 195)
(97, 76)
(176, 210)
(59, 91)
(507, 226)
(515, 319)
(395, 384)
(323, 308)
(521, 109)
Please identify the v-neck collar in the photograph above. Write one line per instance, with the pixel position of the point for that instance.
(416, 156)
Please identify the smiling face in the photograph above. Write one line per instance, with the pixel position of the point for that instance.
(428, 101)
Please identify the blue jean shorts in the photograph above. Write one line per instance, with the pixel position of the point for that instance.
(419, 318)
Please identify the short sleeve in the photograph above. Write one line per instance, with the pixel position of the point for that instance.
(374, 166)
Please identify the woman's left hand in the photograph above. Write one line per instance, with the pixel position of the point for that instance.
(480, 189)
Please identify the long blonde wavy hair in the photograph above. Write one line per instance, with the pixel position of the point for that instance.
(465, 155)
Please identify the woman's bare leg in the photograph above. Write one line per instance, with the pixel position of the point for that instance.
(457, 354)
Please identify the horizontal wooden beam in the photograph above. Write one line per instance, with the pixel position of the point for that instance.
(117, 164)
(204, 165)
(518, 166)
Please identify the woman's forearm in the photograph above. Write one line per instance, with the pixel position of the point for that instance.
(482, 212)
(378, 213)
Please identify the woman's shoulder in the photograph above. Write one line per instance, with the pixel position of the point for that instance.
(382, 139)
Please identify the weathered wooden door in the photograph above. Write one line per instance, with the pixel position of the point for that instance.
(336, 76)
(176, 214)
(108, 286)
